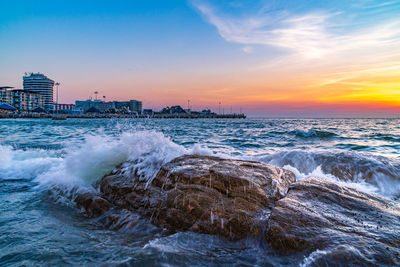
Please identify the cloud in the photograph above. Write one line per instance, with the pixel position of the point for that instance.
(340, 53)
(313, 34)
(247, 49)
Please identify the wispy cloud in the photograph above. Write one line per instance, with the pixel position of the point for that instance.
(342, 53)
(313, 34)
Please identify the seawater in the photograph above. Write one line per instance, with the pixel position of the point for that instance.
(44, 164)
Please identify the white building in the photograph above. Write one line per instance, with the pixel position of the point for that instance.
(39, 83)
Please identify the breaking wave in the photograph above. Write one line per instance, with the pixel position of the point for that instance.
(363, 171)
(77, 168)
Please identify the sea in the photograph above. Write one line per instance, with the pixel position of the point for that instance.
(44, 164)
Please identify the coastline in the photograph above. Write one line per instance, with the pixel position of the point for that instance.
(119, 116)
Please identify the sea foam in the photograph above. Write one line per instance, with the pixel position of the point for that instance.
(82, 166)
(363, 171)
(79, 165)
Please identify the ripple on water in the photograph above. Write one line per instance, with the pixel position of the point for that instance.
(40, 225)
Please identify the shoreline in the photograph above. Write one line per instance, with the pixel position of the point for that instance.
(117, 116)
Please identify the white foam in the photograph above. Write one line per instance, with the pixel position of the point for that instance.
(363, 172)
(319, 257)
(143, 151)
(25, 164)
(318, 173)
(315, 255)
(80, 165)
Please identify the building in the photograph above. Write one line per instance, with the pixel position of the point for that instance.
(87, 104)
(67, 108)
(22, 100)
(63, 106)
(27, 101)
(132, 106)
(39, 83)
(5, 95)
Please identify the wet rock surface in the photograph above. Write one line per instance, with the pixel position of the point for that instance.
(205, 194)
(92, 205)
(326, 220)
(317, 214)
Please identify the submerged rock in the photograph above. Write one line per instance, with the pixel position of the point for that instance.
(92, 205)
(319, 215)
(205, 194)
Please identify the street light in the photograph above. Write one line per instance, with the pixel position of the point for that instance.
(57, 84)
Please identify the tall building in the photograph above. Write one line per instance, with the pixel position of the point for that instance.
(39, 83)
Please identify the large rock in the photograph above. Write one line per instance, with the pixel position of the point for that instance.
(343, 222)
(202, 193)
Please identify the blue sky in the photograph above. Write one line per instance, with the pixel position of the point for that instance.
(257, 54)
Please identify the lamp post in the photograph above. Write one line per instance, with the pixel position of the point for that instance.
(57, 84)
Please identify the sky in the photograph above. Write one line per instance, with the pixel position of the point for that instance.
(270, 58)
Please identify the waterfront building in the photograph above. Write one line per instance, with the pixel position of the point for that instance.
(67, 108)
(87, 104)
(27, 101)
(63, 106)
(105, 106)
(5, 95)
(132, 106)
(22, 100)
(39, 83)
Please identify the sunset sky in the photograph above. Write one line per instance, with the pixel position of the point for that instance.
(313, 58)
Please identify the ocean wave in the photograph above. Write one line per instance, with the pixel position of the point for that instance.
(385, 137)
(25, 164)
(78, 166)
(366, 172)
(312, 134)
(345, 253)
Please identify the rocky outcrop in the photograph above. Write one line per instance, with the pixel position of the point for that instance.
(317, 214)
(205, 194)
(235, 199)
